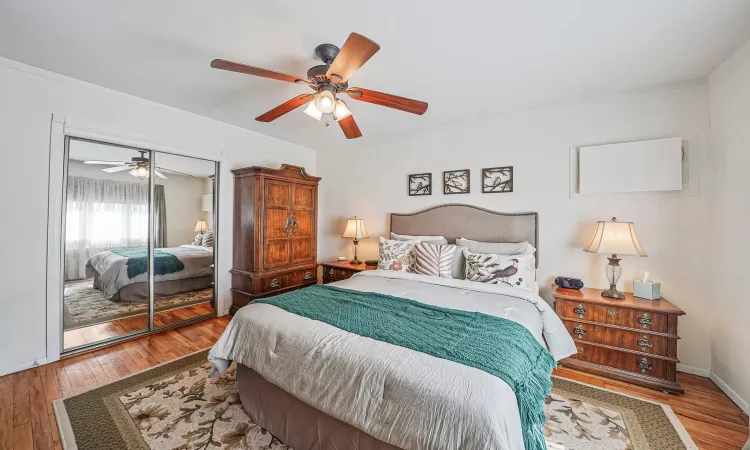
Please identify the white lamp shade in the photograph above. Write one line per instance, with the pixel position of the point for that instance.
(201, 226)
(207, 202)
(617, 238)
(355, 229)
(341, 111)
(312, 111)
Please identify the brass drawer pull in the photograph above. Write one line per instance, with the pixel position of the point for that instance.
(645, 343)
(579, 348)
(579, 331)
(644, 365)
(580, 310)
(307, 276)
(645, 320)
(612, 313)
(331, 272)
(274, 283)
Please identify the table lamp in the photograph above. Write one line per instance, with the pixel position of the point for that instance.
(355, 229)
(617, 238)
(201, 226)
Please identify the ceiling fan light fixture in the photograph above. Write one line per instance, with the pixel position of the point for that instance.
(325, 101)
(140, 172)
(341, 111)
(313, 112)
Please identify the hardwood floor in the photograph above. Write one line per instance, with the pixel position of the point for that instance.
(28, 422)
(96, 333)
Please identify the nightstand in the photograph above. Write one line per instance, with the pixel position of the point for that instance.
(341, 270)
(632, 340)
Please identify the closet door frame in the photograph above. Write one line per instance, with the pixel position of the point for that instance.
(60, 135)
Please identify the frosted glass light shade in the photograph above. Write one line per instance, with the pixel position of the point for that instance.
(617, 238)
(355, 229)
(201, 226)
(325, 102)
(312, 111)
(341, 111)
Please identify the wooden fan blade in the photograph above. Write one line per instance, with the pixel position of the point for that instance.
(388, 100)
(257, 71)
(350, 128)
(357, 50)
(285, 107)
(117, 169)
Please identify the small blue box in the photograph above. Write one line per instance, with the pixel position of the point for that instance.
(648, 290)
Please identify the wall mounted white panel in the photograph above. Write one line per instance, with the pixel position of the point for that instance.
(654, 165)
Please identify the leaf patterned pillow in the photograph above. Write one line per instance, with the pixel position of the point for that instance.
(396, 255)
(510, 270)
(434, 260)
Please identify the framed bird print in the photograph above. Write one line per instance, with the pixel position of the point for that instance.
(420, 184)
(497, 180)
(456, 182)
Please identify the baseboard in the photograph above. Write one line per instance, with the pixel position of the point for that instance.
(694, 370)
(731, 393)
(22, 366)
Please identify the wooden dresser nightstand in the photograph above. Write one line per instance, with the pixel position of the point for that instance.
(632, 340)
(341, 270)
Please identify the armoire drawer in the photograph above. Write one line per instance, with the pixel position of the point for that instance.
(630, 362)
(618, 337)
(612, 315)
(289, 279)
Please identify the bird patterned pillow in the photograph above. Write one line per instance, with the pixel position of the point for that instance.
(510, 270)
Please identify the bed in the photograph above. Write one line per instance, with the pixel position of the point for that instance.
(317, 386)
(110, 272)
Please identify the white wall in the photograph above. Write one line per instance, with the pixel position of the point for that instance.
(182, 194)
(369, 178)
(729, 88)
(28, 98)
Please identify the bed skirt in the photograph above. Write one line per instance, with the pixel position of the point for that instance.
(139, 291)
(297, 424)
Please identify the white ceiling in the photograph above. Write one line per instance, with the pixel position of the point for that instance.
(465, 59)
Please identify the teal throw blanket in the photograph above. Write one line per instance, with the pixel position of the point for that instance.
(164, 263)
(500, 347)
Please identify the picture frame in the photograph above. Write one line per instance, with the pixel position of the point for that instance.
(457, 181)
(497, 180)
(420, 184)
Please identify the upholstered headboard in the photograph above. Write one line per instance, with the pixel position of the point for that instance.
(471, 222)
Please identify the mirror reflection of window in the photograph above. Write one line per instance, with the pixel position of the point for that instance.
(106, 219)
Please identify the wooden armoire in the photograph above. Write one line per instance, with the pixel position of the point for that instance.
(275, 232)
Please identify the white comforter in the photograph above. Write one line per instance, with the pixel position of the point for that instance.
(406, 398)
(113, 270)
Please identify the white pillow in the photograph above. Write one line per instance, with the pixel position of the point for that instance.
(497, 248)
(397, 255)
(510, 270)
(434, 260)
(436, 240)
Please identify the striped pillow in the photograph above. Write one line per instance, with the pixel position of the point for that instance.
(434, 260)
(208, 239)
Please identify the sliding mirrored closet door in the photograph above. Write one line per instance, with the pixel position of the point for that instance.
(138, 252)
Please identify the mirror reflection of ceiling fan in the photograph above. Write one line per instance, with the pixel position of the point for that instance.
(327, 80)
(137, 166)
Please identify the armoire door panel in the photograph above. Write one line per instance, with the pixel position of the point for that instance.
(302, 250)
(304, 224)
(275, 254)
(277, 194)
(304, 197)
(274, 223)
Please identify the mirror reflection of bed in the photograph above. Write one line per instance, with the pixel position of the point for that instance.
(106, 288)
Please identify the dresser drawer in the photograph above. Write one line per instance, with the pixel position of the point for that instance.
(617, 337)
(631, 318)
(630, 362)
(336, 274)
(289, 279)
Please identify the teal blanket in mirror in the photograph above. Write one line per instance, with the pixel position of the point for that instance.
(164, 263)
(500, 347)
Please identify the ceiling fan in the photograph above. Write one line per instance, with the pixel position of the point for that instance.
(327, 80)
(138, 167)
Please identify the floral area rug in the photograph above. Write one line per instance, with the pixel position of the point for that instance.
(86, 306)
(176, 407)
